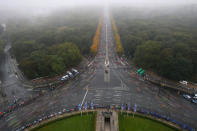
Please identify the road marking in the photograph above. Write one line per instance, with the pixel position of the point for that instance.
(108, 97)
(97, 99)
(116, 99)
(90, 63)
(10, 118)
(117, 95)
(84, 97)
(99, 90)
(118, 91)
(122, 63)
(106, 49)
(12, 122)
(97, 95)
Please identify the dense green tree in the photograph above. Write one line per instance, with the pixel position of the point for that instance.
(147, 54)
(23, 49)
(54, 60)
(57, 64)
(37, 43)
(166, 62)
(132, 42)
(182, 68)
(165, 43)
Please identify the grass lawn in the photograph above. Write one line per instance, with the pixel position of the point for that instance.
(128, 123)
(73, 123)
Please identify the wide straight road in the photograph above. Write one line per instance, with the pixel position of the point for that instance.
(10, 76)
(114, 87)
(117, 86)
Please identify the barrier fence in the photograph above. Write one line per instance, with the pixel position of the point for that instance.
(126, 107)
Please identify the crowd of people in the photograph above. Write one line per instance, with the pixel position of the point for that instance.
(17, 104)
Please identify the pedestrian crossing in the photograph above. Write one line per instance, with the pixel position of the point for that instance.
(114, 95)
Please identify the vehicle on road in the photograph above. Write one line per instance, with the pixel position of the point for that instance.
(195, 96)
(186, 96)
(194, 101)
(66, 77)
(74, 71)
(69, 74)
(183, 82)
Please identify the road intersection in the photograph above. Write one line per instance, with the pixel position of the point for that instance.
(115, 87)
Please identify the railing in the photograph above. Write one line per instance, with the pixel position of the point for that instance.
(174, 86)
(140, 110)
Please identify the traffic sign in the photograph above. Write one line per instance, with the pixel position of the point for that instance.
(129, 107)
(85, 106)
(79, 107)
(92, 105)
(122, 107)
(135, 107)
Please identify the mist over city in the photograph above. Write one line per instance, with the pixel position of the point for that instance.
(44, 6)
(98, 65)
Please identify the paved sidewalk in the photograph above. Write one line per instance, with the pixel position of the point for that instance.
(99, 121)
(114, 124)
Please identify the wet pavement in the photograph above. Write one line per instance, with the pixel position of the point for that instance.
(116, 87)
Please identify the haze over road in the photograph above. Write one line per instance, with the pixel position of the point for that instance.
(113, 88)
(11, 77)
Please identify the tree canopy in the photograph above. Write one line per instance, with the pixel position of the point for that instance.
(53, 60)
(164, 42)
(45, 46)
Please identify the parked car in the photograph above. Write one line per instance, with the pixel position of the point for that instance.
(195, 96)
(23, 127)
(74, 71)
(194, 101)
(186, 96)
(69, 74)
(64, 78)
(183, 82)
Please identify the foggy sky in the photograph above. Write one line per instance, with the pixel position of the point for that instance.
(47, 5)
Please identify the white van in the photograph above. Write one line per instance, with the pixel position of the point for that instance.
(183, 82)
(64, 77)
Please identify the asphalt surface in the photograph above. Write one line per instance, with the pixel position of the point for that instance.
(11, 77)
(117, 86)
